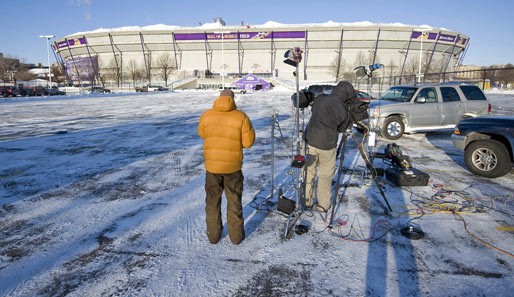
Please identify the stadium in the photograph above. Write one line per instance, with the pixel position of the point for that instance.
(159, 53)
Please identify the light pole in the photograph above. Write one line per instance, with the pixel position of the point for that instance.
(421, 53)
(47, 37)
(222, 61)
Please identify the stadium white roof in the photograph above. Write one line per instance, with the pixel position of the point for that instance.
(269, 24)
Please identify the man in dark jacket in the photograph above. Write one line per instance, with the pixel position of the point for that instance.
(329, 118)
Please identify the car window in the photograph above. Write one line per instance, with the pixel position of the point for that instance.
(473, 93)
(361, 95)
(402, 94)
(449, 94)
(320, 89)
(429, 94)
(328, 90)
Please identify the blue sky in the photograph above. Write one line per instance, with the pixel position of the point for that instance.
(488, 23)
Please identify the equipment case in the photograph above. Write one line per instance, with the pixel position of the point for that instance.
(411, 178)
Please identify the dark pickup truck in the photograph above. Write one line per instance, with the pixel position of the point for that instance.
(488, 144)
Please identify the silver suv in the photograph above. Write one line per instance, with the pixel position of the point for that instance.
(411, 108)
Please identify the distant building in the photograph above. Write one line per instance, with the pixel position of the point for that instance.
(40, 72)
(12, 62)
(469, 72)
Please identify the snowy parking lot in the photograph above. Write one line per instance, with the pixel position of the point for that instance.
(103, 195)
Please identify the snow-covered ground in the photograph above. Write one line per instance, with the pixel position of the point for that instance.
(103, 196)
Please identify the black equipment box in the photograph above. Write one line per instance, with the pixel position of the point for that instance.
(411, 177)
(285, 205)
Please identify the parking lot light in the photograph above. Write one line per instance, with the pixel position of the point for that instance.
(47, 37)
(423, 34)
(222, 54)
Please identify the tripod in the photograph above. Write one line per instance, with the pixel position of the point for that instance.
(369, 167)
(361, 71)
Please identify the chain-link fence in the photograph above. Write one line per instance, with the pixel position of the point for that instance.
(487, 78)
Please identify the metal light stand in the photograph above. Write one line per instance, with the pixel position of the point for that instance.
(293, 57)
(297, 171)
(274, 122)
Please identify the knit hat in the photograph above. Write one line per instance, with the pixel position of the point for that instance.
(227, 92)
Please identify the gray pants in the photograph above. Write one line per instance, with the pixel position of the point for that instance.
(321, 163)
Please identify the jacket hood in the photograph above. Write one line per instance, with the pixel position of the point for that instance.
(224, 103)
(344, 90)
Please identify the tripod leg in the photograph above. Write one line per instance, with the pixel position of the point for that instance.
(304, 181)
(342, 144)
(373, 174)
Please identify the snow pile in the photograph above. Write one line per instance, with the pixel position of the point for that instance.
(268, 24)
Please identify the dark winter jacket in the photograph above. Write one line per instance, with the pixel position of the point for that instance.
(329, 117)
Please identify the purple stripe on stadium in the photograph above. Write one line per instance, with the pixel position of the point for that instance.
(242, 35)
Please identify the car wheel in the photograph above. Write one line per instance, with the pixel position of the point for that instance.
(488, 158)
(393, 128)
(464, 118)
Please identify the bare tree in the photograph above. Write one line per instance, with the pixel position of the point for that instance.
(25, 75)
(115, 73)
(9, 67)
(391, 68)
(349, 73)
(3, 68)
(506, 76)
(135, 72)
(166, 67)
(411, 69)
(337, 67)
(102, 74)
(439, 64)
(490, 75)
(360, 59)
(58, 74)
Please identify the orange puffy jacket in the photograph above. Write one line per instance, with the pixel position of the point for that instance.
(225, 131)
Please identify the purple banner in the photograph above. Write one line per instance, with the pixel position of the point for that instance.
(242, 35)
(81, 69)
(71, 42)
(447, 38)
(421, 35)
(442, 37)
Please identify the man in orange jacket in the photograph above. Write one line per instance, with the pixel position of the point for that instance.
(225, 131)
